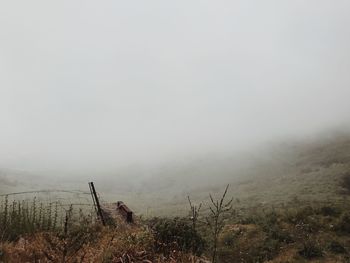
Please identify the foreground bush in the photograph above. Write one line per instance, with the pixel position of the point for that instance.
(174, 234)
(311, 250)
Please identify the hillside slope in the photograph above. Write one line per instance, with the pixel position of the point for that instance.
(310, 171)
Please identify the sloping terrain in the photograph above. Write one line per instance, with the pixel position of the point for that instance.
(310, 171)
(291, 204)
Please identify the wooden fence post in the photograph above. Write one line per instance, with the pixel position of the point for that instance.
(96, 202)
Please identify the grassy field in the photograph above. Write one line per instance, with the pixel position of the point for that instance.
(310, 171)
(290, 204)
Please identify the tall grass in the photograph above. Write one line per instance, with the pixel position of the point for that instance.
(18, 218)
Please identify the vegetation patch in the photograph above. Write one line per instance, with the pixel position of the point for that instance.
(343, 224)
(174, 234)
(336, 247)
(311, 250)
(329, 211)
(346, 181)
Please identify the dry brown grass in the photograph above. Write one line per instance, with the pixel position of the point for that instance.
(120, 244)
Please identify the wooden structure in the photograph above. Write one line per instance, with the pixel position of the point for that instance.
(108, 212)
(125, 211)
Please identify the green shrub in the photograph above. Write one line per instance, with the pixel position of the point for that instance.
(281, 235)
(311, 250)
(228, 239)
(346, 181)
(270, 225)
(300, 215)
(268, 250)
(336, 247)
(343, 225)
(2, 255)
(250, 252)
(176, 233)
(329, 211)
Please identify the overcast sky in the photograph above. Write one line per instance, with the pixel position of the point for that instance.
(96, 83)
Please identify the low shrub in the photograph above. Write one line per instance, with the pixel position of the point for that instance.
(176, 233)
(2, 255)
(346, 181)
(228, 239)
(343, 225)
(300, 215)
(281, 235)
(247, 247)
(270, 225)
(336, 247)
(329, 211)
(311, 250)
(268, 251)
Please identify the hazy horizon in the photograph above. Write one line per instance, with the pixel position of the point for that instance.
(86, 85)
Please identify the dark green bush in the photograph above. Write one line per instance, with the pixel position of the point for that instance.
(311, 250)
(329, 211)
(300, 215)
(2, 254)
(176, 233)
(270, 225)
(343, 224)
(268, 250)
(336, 247)
(229, 239)
(281, 235)
(346, 181)
(257, 251)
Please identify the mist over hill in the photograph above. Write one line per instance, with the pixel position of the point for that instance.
(310, 169)
(163, 102)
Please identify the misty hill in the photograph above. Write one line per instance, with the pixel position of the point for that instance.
(309, 178)
(310, 170)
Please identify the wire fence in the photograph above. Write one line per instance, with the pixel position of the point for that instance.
(44, 210)
(47, 191)
(63, 200)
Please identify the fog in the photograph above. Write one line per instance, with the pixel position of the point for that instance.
(101, 85)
